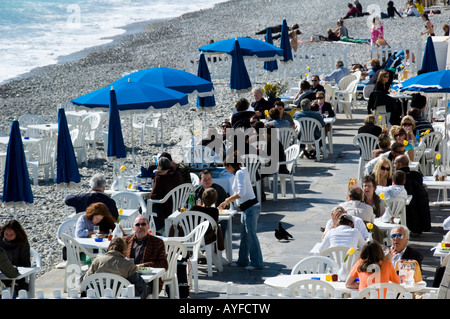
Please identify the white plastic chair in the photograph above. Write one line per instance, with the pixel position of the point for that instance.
(312, 288)
(191, 219)
(27, 119)
(130, 200)
(193, 241)
(367, 90)
(432, 140)
(148, 122)
(366, 142)
(338, 255)
(200, 154)
(416, 163)
(79, 141)
(68, 228)
(315, 265)
(75, 267)
(397, 291)
(94, 120)
(306, 136)
(46, 154)
(292, 153)
(175, 251)
(100, 282)
(253, 164)
(195, 180)
(286, 136)
(179, 196)
(346, 98)
(397, 209)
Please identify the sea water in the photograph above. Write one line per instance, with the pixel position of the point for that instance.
(35, 33)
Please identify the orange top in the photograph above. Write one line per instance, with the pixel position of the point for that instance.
(387, 274)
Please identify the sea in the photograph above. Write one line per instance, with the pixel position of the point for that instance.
(36, 33)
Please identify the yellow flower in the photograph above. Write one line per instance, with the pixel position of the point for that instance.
(306, 74)
(427, 131)
(369, 226)
(196, 131)
(308, 68)
(438, 156)
(122, 168)
(349, 252)
(380, 117)
(382, 196)
(266, 112)
(405, 142)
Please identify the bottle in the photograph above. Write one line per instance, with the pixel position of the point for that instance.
(110, 235)
(191, 201)
(417, 138)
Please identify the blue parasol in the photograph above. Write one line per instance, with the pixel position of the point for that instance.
(174, 79)
(203, 72)
(116, 146)
(249, 48)
(270, 65)
(16, 182)
(239, 79)
(285, 44)
(429, 62)
(431, 82)
(67, 174)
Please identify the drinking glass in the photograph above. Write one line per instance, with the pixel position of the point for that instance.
(97, 230)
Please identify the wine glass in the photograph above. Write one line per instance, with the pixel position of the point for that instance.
(326, 114)
(97, 230)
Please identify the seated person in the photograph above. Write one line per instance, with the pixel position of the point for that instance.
(146, 250)
(333, 222)
(206, 181)
(275, 120)
(242, 117)
(352, 11)
(323, 107)
(95, 213)
(166, 179)
(97, 195)
(315, 84)
(421, 125)
(337, 74)
(114, 262)
(260, 105)
(279, 105)
(370, 126)
(305, 92)
(383, 145)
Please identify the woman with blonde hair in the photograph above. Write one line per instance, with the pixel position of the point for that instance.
(383, 172)
(409, 125)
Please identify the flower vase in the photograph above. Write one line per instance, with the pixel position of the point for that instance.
(121, 183)
(343, 272)
(117, 232)
(437, 173)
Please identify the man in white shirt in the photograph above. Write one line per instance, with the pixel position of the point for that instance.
(333, 222)
(397, 189)
(343, 236)
(355, 207)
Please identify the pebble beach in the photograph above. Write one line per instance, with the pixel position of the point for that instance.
(166, 43)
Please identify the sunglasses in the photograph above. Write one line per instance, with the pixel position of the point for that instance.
(407, 124)
(384, 168)
(140, 224)
(400, 152)
(399, 236)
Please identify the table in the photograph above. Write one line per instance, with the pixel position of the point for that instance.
(47, 128)
(441, 252)
(224, 215)
(330, 121)
(441, 185)
(404, 97)
(155, 274)
(284, 281)
(25, 140)
(90, 243)
(24, 272)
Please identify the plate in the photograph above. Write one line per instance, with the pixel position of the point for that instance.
(145, 270)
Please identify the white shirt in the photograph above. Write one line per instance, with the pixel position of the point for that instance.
(242, 186)
(392, 191)
(342, 236)
(359, 209)
(358, 224)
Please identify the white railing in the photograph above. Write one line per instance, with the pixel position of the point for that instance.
(413, 55)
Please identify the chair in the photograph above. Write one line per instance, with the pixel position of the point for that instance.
(346, 98)
(329, 94)
(367, 90)
(130, 200)
(191, 219)
(397, 209)
(78, 136)
(380, 110)
(338, 255)
(389, 288)
(46, 153)
(312, 288)
(308, 126)
(27, 119)
(179, 196)
(443, 291)
(68, 228)
(175, 251)
(147, 122)
(286, 136)
(253, 164)
(416, 163)
(94, 120)
(200, 154)
(366, 142)
(75, 267)
(195, 180)
(292, 153)
(341, 87)
(193, 241)
(100, 282)
(315, 265)
(36, 260)
(432, 141)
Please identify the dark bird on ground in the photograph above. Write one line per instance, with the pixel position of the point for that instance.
(281, 233)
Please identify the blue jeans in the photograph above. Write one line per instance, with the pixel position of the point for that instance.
(249, 240)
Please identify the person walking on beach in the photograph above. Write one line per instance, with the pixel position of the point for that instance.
(429, 28)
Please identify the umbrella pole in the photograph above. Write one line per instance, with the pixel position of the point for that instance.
(132, 142)
(162, 139)
(65, 195)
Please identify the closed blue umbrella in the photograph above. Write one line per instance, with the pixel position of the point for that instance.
(16, 182)
(285, 44)
(239, 79)
(116, 146)
(174, 79)
(67, 174)
(270, 65)
(429, 62)
(203, 72)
